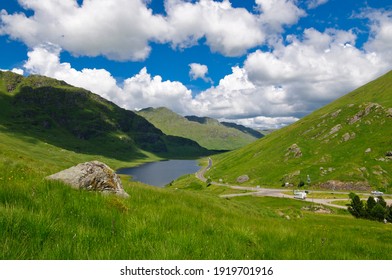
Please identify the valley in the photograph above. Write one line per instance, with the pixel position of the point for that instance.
(47, 125)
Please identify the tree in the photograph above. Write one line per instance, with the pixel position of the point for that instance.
(378, 213)
(370, 204)
(356, 207)
(388, 215)
(382, 202)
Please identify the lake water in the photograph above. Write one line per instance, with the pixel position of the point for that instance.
(161, 173)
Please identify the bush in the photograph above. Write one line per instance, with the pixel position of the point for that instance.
(372, 210)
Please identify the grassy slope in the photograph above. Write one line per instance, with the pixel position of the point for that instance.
(79, 120)
(211, 134)
(326, 156)
(42, 219)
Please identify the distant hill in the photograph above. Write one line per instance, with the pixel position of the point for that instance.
(208, 132)
(344, 145)
(81, 121)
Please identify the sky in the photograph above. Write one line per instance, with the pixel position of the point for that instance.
(260, 63)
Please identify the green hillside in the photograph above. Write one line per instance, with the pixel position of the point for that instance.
(41, 219)
(344, 145)
(78, 120)
(208, 132)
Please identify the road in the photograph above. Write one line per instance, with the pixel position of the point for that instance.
(258, 191)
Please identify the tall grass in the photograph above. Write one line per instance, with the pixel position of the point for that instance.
(42, 219)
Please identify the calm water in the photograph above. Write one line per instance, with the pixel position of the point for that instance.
(161, 173)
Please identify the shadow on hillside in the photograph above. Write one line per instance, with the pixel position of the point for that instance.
(80, 121)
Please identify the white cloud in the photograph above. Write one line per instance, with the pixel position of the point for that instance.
(316, 69)
(312, 4)
(294, 79)
(44, 60)
(230, 31)
(14, 70)
(18, 71)
(264, 122)
(199, 71)
(118, 29)
(381, 33)
(139, 91)
(277, 13)
(272, 88)
(142, 91)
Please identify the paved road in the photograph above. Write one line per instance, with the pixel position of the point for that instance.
(257, 191)
(202, 171)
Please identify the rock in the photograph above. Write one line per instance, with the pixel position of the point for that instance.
(358, 116)
(294, 151)
(335, 129)
(345, 186)
(92, 176)
(348, 136)
(243, 179)
(389, 112)
(368, 150)
(336, 113)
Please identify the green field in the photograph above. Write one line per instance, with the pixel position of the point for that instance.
(346, 141)
(42, 219)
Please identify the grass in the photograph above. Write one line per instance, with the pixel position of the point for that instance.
(332, 147)
(42, 219)
(209, 133)
(48, 220)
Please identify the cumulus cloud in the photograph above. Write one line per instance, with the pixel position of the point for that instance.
(15, 70)
(124, 29)
(264, 122)
(272, 88)
(142, 91)
(45, 60)
(312, 4)
(381, 33)
(139, 91)
(118, 29)
(199, 71)
(278, 13)
(230, 31)
(294, 79)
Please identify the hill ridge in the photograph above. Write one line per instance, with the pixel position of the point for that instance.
(208, 132)
(52, 110)
(341, 145)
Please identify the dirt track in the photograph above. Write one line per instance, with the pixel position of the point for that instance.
(257, 191)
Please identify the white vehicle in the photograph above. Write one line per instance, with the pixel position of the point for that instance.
(377, 193)
(300, 194)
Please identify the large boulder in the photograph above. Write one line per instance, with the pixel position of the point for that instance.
(243, 179)
(92, 176)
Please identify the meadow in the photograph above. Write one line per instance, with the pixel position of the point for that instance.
(41, 219)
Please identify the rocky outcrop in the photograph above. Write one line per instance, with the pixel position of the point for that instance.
(294, 152)
(243, 179)
(91, 176)
(348, 136)
(345, 186)
(363, 113)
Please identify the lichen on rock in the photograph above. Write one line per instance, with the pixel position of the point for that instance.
(92, 176)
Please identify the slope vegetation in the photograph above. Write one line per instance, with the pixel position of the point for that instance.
(42, 219)
(78, 120)
(208, 132)
(344, 145)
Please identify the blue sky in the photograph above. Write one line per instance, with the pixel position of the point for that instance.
(262, 63)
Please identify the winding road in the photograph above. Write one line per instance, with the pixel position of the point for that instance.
(258, 191)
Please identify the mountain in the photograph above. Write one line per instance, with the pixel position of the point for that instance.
(208, 132)
(79, 120)
(344, 145)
